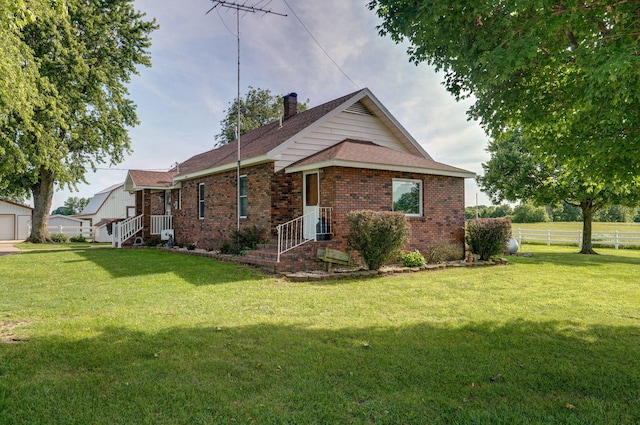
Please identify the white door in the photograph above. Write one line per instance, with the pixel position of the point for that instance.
(7, 227)
(24, 223)
(311, 201)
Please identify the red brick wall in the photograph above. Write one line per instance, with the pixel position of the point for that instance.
(220, 215)
(277, 198)
(349, 189)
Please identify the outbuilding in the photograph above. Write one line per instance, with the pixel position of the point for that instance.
(15, 220)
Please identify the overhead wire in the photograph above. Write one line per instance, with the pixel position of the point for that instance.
(319, 45)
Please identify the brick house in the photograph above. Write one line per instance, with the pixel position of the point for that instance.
(347, 154)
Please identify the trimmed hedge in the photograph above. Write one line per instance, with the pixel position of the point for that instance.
(377, 236)
(487, 237)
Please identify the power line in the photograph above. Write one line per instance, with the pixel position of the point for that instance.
(319, 45)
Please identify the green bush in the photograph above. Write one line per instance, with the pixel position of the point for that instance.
(444, 251)
(153, 242)
(377, 236)
(243, 240)
(59, 238)
(413, 259)
(77, 238)
(488, 237)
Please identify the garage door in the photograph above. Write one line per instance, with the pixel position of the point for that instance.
(7, 227)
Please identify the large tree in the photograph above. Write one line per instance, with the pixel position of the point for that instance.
(566, 73)
(257, 108)
(82, 58)
(515, 172)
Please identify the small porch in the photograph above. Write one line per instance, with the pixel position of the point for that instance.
(158, 225)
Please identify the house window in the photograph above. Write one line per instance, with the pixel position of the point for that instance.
(201, 200)
(407, 196)
(242, 196)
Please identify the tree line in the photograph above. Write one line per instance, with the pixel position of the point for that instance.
(527, 212)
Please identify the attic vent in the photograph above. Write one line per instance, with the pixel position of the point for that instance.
(359, 108)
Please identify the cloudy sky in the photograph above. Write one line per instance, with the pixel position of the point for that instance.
(182, 97)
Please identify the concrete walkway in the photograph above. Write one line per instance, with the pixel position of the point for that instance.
(6, 247)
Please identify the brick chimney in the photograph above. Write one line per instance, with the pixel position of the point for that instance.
(290, 105)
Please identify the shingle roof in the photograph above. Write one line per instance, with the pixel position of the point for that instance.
(361, 152)
(152, 179)
(260, 141)
(98, 199)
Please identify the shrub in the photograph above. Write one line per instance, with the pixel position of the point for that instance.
(378, 236)
(77, 238)
(153, 242)
(444, 251)
(413, 259)
(59, 238)
(488, 237)
(243, 240)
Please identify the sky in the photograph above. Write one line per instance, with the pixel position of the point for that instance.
(321, 50)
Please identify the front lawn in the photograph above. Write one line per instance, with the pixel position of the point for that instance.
(105, 336)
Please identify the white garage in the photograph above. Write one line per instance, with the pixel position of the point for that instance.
(15, 220)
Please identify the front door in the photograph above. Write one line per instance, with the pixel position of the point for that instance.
(311, 201)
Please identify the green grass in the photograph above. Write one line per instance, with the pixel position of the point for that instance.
(27, 246)
(150, 337)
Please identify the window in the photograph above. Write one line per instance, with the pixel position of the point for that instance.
(407, 196)
(242, 196)
(201, 201)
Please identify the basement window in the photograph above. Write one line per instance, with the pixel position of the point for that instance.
(407, 196)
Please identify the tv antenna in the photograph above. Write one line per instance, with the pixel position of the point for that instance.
(247, 8)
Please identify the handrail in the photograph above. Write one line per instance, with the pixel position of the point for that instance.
(124, 230)
(159, 223)
(292, 233)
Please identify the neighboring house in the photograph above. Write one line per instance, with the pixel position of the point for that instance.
(107, 206)
(70, 226)
(15, 220)
(347, 154)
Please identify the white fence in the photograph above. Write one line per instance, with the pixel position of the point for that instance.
(615, 239)
(70, 231)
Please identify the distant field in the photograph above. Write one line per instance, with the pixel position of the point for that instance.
(597, 226)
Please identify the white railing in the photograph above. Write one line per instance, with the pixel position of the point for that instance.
(159, 223)
(70, 231)
(575, 237)
(292, 233)
(124, 230)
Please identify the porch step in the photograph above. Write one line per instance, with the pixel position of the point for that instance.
(300, 258)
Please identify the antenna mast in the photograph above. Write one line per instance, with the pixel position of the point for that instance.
(240, 7)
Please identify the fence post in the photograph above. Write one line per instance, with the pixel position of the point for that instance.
(580, 239)
(519, 236)
(548, 237)
(616, 242)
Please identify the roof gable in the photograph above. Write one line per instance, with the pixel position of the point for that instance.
(365, 154)
(141, 179)
(356, 116)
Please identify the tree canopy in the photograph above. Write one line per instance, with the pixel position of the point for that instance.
(516, 173)
(257, 108)
(566, 73)
(73, 205)
(77, 113)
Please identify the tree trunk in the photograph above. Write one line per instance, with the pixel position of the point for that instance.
(42, 198)
(587, 218)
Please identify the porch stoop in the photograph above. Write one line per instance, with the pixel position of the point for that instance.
(301, 258)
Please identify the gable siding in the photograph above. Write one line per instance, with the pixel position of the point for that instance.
(115, 205)
(345, 125)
